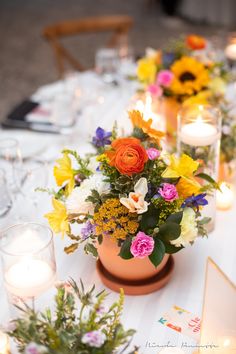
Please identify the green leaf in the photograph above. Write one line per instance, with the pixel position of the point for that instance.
(209, 179)
(149, 219)
(90, 248)
(125, 249)
(72, 248)
(176, 217)
(169, 231)
(158, 252)
(100, 239)
(170, 249)
(204, 221)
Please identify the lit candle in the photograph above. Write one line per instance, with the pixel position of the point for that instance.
(198, 133)
(4, 343)
(29, 277)
(230, 51)
(158, 121)
(225, 197)
(227, 344)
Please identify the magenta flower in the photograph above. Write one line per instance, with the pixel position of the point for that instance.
(153, 153)
(155, 90)
(142, 245)
(94, 339)
(164, 78)
(168, 192)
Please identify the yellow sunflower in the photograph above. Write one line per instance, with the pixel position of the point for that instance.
(190, 76)
(138, 121)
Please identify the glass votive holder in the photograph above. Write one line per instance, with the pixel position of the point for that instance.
(199, 133)
(107, 64)
(4, 343)
(28, 261)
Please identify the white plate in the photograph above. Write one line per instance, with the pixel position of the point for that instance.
(31, 144)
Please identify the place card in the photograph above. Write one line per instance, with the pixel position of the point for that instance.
(182, 321)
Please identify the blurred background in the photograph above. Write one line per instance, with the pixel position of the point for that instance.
(27, 61)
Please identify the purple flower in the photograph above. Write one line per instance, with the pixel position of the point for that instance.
(195, 201)
(153, 153)
(168, 59)
(94, 339)
(168, 192)
(33, 348)
(142, 245)
(87, 230)
(101, 138)
(164, 78)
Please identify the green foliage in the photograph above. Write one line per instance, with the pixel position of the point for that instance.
(82, 163)
(77, 312)
(158, 253)
(125, 249)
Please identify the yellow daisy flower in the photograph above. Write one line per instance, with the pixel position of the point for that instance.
(190, 76)
(147, 70)
(63, 172)
(58, 218)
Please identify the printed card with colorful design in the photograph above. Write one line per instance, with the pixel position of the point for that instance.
(182, 321)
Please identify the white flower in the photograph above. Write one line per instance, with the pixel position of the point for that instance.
(76, 202)
(135, 202)
(94, 339)
(189, 230)
(93, 164)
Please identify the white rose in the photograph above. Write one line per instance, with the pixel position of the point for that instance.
(189, 230)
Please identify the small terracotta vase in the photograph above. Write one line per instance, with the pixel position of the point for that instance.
(227, 173)
(135, 276)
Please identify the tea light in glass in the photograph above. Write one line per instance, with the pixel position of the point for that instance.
(146, 107)
(199, 132)
(4, 343)
(225, 196)
(29, 266)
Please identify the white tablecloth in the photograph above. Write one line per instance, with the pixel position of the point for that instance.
(186, 286)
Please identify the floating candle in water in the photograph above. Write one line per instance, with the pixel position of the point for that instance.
(29, 277)
(225, 197)
(198, 133)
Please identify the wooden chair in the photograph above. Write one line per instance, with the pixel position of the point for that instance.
(119, 26)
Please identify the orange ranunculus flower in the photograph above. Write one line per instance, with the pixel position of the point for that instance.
(128, 156)
(195, 42)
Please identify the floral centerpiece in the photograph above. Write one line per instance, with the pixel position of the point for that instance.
(184, 70)
(146, 204)
(80, 323)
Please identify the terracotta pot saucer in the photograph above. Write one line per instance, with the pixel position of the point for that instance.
(137, 287)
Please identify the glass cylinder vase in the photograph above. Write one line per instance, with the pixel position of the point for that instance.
(28, 261)
(199, 132)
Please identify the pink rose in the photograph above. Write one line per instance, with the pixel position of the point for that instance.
(168, 192)
(153, 153)
(155, 90)
(164, 78)
(142, 245)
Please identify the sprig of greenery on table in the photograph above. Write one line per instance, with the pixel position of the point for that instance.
(62, 331)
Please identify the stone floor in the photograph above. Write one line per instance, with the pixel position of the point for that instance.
(26, 60)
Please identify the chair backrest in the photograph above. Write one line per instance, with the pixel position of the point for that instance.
(119, 26)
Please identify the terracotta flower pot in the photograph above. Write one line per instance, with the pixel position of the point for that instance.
(227, 172)
(136, 276)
